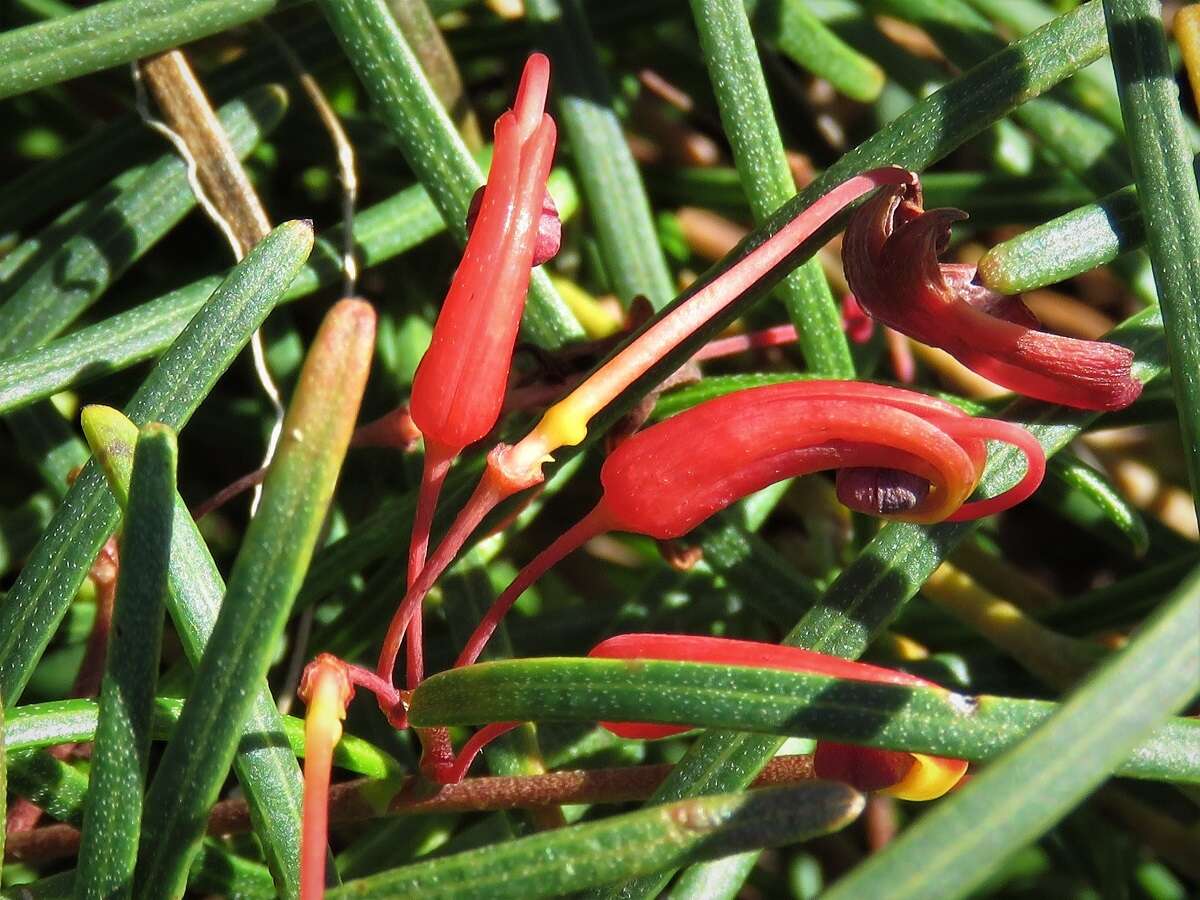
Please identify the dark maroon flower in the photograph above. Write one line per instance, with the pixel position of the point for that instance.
(890, 253)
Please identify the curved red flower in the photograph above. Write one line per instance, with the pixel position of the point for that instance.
(890, 253)
(898, 454)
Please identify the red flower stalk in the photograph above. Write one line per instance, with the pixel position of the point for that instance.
(327, 687)
(890, 253)
(898, 454)
(460, 383)
(514, 468)
(909, 776)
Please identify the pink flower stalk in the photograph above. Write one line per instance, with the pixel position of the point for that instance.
(890, 253)
(909, 776)
(511, 469)
(899, 454)
(461, 381)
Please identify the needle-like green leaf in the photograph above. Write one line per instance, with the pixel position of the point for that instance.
(767, 701)
(1167, 194)
(954, 848)
(262, 585)
(801, 37)
(109, 34)
(113, 814)
(749, 120)
(560, 862)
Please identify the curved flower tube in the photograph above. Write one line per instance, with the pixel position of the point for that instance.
(909, 776)
(511, 469)
(890, 253)
(666, 480)
(459, 386)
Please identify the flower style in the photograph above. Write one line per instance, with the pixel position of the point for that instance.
(326, 687)
(459, 386)
(908, 776)
(890, 254)
(898, 453)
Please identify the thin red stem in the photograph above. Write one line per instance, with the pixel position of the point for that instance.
(471, 749)
(227, 493)
(488, 493)
(437, 463)
(594, 523)
(740, 343)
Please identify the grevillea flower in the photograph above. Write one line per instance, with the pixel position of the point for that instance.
(511, 469)
(898, 454)
(890, 253)
(909, 776)
(459, 386)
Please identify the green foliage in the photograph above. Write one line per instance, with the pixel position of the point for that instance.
(116, 293)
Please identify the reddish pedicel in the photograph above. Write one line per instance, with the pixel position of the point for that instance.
(890, 253)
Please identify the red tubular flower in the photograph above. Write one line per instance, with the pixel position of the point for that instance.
(898, 454)
(890, 253)
(460, 383)
(909, 776)
(514, 468)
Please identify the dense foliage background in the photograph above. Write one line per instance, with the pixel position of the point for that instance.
(1075, 618)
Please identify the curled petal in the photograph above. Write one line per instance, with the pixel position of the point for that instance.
(891, 254)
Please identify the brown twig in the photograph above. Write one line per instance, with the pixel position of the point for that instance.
(362, 799)
(187, 111)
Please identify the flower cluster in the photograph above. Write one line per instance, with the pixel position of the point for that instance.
(896, 453)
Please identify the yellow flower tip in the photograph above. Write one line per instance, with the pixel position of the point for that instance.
(563, 425)
(929, 778)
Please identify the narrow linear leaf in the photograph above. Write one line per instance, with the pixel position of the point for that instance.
(767, 701)
(616, 198)
(570, 859)
(170, 394)
(262, 585)
(1167, 194)
(112, 817)
(955, 847)
(749, 120)
(1076, 242)
(109, 34)
(801, 37)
